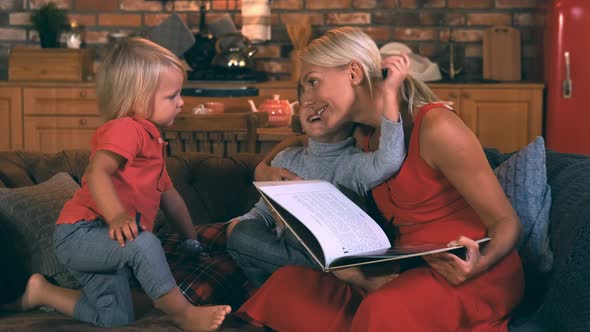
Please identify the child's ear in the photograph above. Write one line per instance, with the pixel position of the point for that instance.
(356, 73)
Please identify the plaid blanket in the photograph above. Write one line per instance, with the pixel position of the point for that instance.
(211, 277)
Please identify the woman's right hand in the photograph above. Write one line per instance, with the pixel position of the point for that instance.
(265, 172)
(122, 228)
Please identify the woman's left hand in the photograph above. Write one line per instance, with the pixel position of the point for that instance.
(453, 268)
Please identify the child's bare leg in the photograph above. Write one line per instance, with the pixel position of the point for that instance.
(352, 275)
(373, 283)
(189, 317)
(40, 292)
(230, 227)
(370, 278)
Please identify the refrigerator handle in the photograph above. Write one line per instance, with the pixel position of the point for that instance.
(567, 83)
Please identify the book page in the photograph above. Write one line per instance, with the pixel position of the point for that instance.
(340, 226)
(302, 233)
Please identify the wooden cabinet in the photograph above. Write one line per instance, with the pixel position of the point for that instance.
(502, 116)
(11, 119)
(50, 117)
(58, 118)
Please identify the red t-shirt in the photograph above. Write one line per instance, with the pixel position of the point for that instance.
(139, 182)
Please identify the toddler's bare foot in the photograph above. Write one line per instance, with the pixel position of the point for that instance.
(204, 319)
(31, 297)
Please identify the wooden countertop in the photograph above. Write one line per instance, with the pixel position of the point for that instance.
(275, 133)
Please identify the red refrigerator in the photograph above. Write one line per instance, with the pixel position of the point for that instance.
(567, 76)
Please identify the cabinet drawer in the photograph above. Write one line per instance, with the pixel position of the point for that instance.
(60, 101)
(54, 134)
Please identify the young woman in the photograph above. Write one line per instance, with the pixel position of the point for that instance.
(445, 192)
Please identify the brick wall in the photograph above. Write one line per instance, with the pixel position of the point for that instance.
(424, 25)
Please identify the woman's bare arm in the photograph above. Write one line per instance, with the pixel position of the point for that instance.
(448, 145)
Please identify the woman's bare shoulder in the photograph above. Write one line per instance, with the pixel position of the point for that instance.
(442, 134)
(440, 120)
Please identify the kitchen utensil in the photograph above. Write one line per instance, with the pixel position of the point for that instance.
(501, 54)
(279, 110)
(210, 107)
(203, 49)
(234, 51)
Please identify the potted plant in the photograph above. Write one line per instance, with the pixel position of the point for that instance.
(49, 21)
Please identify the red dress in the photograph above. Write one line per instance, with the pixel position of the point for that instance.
(427, 208)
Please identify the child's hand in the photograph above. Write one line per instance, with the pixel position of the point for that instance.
(397, 67)
(264, 172)
(123, 227)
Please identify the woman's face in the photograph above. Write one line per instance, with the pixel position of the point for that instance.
(326, 97)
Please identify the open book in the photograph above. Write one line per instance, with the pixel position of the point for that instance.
(335, 231)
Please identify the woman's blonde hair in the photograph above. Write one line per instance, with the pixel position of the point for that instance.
(339, 47)
(129, 76)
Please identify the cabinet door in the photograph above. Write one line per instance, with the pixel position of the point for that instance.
(45, 134)
(11, 119)
(505, 119)
(60, 101)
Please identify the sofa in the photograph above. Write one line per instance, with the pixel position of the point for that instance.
(218, 188)
(214, 188)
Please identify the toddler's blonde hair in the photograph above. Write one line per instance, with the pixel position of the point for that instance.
(129, 76)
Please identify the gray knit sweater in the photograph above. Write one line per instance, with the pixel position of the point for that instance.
(350, 169)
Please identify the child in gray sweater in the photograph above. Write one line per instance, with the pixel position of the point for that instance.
(255, 240)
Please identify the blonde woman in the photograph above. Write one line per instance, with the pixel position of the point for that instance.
(103, 234)
(445, 192)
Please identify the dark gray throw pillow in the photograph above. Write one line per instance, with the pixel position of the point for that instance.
(30, 214)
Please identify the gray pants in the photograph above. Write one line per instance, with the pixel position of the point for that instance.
(257, 249)
(103, 268)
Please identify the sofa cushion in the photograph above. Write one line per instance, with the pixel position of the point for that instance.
(523, 177)
(30, 212)
(566, 304)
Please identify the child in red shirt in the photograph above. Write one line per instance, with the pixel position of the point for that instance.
(104, 233)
